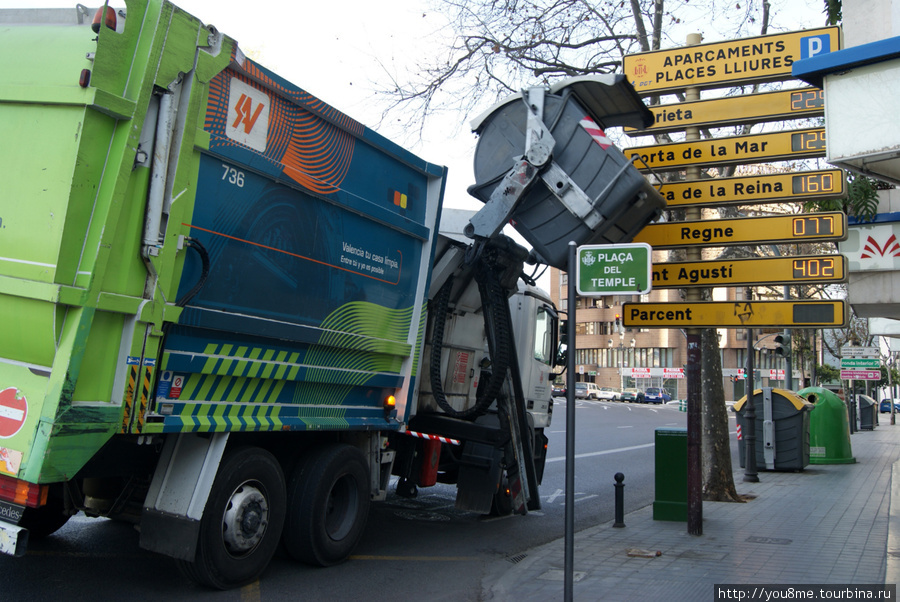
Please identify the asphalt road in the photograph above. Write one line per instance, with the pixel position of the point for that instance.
(415, 548)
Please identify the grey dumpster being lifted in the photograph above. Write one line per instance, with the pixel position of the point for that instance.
(544, 156)
(781, 428)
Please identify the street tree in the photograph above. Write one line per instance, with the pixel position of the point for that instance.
(495, 48)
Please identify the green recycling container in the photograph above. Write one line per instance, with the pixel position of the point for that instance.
(671, 474)
(829, 428)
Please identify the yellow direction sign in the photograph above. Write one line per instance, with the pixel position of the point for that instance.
(812, 269)
(736, 314)
(748, 190)
(735, 150)
(763, 58)
(813, 227)
(735, 110)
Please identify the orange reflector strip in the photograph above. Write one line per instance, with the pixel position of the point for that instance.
(22, 493)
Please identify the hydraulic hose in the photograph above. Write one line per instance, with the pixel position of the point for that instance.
(204, 259)
(499, 335)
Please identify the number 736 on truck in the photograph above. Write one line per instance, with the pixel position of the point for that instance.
(231, 312)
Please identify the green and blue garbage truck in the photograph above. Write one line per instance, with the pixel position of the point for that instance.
(232, 313)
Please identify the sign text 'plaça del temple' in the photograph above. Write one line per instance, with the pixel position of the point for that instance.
(622, 269)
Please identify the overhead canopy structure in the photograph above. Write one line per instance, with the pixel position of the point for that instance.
(861, 84)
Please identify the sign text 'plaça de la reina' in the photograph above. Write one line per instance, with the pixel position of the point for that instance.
(763, 58)
(614, 269)
(748, 190)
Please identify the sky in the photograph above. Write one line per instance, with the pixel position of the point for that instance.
(339, 50)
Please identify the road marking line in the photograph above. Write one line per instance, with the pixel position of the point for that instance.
(603, 453)
(554, 495)
(417, 558)
(250, 593)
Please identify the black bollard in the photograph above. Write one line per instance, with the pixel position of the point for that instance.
(620, 500)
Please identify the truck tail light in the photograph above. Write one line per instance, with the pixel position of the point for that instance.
(390, 405)
(22, 493)
(104, 16)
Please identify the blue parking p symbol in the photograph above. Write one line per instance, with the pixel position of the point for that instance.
(814, 45)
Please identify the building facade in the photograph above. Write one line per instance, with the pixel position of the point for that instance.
(610, 355)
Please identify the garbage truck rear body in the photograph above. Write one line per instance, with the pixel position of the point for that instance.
(229, 313)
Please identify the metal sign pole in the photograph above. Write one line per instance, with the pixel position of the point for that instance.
(570, 426)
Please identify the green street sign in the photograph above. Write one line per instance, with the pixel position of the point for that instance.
(860, 363)
(614, 270)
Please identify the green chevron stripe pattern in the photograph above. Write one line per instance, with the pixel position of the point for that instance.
(222, 417)
(379, 331)
(239, 387)
(418, 351)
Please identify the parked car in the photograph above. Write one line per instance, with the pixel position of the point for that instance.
(608, 393)
(885, 406)
(634, 395)
(656, 395)
(558, 390)
(587, 391)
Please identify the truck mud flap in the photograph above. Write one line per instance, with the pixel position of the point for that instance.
(13, 539)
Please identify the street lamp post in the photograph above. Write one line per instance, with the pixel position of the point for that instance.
(620, 361)
(623, 363)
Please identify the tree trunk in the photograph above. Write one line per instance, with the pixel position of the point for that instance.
(718, 479)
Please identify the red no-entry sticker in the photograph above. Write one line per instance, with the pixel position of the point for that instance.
(13, 410)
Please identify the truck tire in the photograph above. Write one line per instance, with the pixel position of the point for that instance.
(241, 524)
(328, 501)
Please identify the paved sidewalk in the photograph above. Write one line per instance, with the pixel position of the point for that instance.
(829, 524)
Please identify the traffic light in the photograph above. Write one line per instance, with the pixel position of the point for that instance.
(617, 322)
(783, 345)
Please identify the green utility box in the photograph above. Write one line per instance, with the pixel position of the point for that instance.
(781, 428)
(671, 475)
(829, 428)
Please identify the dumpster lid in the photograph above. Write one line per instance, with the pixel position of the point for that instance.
(865, 400)
(798, 402)
(609, 98)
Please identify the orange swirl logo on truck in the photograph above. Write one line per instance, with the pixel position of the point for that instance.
(249, 108)
(308, 141)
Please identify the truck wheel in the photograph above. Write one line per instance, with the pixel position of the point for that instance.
(328, 501)
(241, 525)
